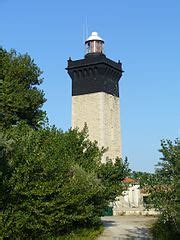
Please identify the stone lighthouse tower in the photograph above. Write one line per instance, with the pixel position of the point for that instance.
(95, 96)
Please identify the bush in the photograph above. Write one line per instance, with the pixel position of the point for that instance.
(82, 234)
(164, 230)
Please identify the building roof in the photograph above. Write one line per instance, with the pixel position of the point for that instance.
(129, 180)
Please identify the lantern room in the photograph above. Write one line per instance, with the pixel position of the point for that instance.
(94, 44)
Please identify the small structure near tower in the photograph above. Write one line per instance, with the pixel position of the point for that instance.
(95, 96)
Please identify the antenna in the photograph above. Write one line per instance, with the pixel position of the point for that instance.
(83, 34)
(86, 27)
(84, 37)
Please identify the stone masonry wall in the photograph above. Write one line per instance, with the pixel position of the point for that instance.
(101, 112)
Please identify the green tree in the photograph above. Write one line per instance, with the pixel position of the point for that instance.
(47, 192)
(163, 192)
(177, 207)
(142, 177)
(55, 184)
(21, 100)
(111, 174)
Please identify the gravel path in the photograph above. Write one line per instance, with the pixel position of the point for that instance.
(126, 227)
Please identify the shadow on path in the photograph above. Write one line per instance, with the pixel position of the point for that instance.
(137, 233)
(119, 228)
(109, 223)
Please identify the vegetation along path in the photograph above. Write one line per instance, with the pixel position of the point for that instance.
(126, 227)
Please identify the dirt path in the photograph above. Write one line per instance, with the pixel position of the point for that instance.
(126, 227)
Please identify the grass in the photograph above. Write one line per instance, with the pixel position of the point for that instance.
(82, 234)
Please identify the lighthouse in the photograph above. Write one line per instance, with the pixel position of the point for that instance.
(95, 96)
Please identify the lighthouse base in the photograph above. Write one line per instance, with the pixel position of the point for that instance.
(101, 112)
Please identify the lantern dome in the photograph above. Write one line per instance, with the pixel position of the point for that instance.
(94, 44)
(94, 37)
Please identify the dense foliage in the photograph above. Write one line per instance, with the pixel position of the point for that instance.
(163, 188)
(21, 100)
(55, 183)
(142, 177)
(111, 174)
(51, 182)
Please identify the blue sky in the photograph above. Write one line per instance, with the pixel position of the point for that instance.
(144, 35)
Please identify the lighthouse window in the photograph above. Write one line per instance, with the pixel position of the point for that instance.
(94, 46)
(88, 47)
(99, 47)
